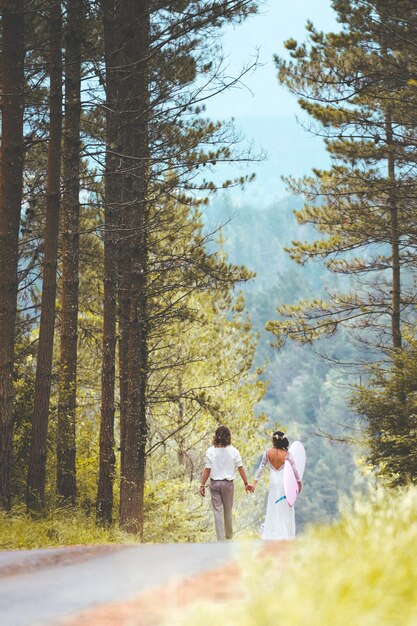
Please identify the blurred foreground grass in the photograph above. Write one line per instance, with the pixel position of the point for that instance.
(361, 571)
(60, 527)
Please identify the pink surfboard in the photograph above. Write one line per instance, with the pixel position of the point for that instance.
(290, 482)
(298, 453)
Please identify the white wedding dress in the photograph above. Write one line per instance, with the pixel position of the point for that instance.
(280, 517)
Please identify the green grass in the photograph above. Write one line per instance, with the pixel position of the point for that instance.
(361, 571)
(60, 527)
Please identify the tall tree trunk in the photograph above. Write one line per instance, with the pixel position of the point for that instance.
(395, 241)
(66, 470)
(136, 34)
(123, 301)
(35, 491)
(11, 176)
(123, 319)
(104, 504)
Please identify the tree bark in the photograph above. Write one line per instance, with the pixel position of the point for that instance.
(11, 177)
(66, 440)
(394, 242)
(104, 504)
(133, 458)
(35, 492)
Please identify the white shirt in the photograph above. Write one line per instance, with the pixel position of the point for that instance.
(222, 462)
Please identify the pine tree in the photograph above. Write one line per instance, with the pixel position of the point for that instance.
(11, 182)
(66, 444)
(135, 186)
(363, 203)
(388, 403)
(38, 450)
(104, 503)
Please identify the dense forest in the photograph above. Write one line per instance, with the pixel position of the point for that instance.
(105, 271)
(135, 316)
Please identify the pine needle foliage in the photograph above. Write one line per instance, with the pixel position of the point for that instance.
(354, 85)
(389, 404)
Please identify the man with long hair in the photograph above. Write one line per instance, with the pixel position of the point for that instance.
(222, 459)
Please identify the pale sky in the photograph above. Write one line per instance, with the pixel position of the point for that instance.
(265, 111)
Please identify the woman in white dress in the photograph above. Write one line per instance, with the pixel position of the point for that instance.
(280, 518)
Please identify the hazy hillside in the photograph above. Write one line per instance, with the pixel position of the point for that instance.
(306, 393)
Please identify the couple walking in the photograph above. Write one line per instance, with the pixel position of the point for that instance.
(222, 459)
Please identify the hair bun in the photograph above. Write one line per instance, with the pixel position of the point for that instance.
(279, 440)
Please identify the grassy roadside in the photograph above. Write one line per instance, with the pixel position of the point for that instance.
(59, 528)
(361, 571)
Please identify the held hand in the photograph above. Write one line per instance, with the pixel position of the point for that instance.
(202, 491)
(249, 488)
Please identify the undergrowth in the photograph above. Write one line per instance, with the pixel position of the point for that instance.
(59, 527)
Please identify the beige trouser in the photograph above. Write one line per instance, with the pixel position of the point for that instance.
(222, 502)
